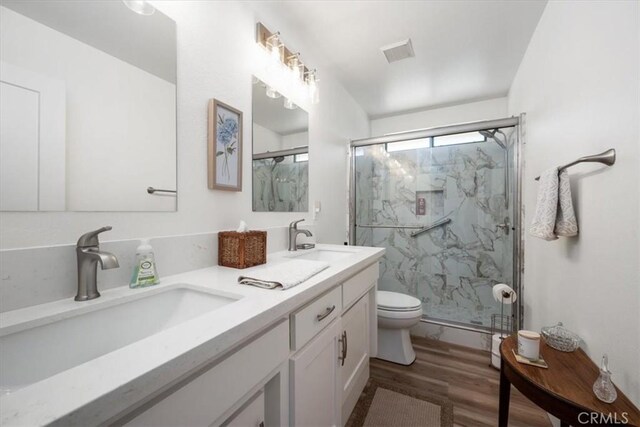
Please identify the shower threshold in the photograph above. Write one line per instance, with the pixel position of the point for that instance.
(458, 325)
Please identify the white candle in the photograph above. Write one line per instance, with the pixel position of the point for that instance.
(529, 344)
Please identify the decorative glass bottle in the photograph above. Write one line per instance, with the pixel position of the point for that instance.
(603, 387)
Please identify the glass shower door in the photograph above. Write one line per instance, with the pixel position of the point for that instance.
(459, 185)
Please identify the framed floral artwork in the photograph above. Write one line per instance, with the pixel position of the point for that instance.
(225, 147)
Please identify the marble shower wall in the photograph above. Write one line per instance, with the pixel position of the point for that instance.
(451, 268)
(280, 187)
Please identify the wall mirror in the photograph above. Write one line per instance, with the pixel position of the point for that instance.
(280, 152)
(88, 114)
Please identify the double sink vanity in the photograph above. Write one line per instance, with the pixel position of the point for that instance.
(198, 349)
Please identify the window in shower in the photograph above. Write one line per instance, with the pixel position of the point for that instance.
(408, 145)
(458, 138)
(301, 157)
(403, 187)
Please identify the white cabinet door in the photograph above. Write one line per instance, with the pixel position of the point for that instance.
(206, 398)
(315, 386)
(18, 148)
(32, 141)
(251, 415)
(354, 369)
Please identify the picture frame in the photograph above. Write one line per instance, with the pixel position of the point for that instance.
(224, 157)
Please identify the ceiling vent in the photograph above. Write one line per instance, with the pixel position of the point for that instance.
(398, 51)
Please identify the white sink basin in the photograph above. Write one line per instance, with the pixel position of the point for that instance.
(34, 354)
(322, 255)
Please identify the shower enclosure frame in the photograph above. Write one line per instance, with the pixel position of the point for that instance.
(516, 122)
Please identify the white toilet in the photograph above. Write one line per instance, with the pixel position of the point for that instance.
(397, 313)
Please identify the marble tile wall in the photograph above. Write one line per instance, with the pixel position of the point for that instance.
(451, 268)
(280, 187)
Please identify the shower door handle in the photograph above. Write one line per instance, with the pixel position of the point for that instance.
(505, 226)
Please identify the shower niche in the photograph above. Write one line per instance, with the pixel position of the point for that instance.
(280, 162)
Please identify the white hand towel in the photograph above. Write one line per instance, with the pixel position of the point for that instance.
(566, 222)
(554, 209)
(288, 274)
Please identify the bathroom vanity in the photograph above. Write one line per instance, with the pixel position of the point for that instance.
(199, 349)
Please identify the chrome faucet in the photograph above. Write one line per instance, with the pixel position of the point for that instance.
(293, 234)
(89, 255)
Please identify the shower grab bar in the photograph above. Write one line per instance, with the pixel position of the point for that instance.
(420, 228)
(431, 227)
(606, 158)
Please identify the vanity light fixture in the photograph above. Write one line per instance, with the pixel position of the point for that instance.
(296, 67)
(274, 47)
(281, 59)
(312, 84)
(140, 7)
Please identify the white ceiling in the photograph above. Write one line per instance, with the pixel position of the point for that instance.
(465, 50)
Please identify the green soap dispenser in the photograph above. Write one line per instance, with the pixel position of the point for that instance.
(144, 272)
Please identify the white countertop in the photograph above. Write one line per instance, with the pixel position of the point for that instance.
(98, 390)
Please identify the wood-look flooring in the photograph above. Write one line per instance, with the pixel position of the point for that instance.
(462, 375)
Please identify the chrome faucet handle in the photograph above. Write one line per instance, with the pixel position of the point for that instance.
(91, 238)
(294, 224)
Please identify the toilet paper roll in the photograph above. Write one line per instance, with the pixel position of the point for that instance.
(500, 289)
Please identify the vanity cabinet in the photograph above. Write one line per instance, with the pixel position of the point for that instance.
(315, 386)
(354, 362)
(307, 370)
(331, 338)
(215, 393)
(252, 414)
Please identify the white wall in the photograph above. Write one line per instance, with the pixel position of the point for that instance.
(216, 58)
(578, 84)
(442, 116)
(295, 140)
(110, 106)
(265, 139)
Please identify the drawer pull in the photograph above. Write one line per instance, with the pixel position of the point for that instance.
(328, 311)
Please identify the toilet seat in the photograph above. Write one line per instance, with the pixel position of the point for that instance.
(400, 315)
(397, 302)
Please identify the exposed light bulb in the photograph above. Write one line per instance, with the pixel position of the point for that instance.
(312, 84)
(272, 93)
(296, 69)
(274, 48)
(289, 105)
(140, 7)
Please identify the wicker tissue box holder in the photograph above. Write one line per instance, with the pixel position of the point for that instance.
(242, 250)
